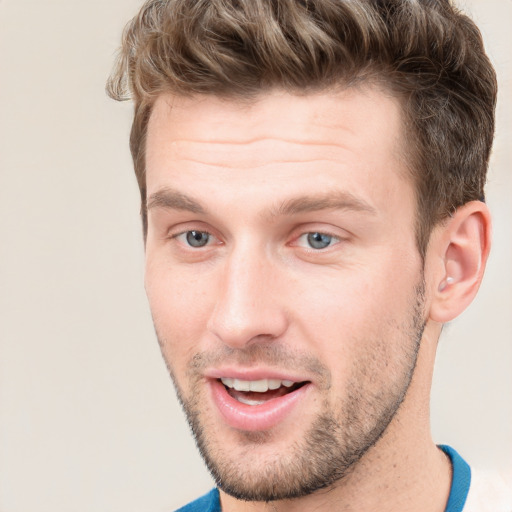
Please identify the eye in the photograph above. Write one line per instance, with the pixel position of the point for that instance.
(194, 238)
(317, 240)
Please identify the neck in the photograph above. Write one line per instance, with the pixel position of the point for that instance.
(404, 470)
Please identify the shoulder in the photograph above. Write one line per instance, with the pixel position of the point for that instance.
(208, 503)
(489, 492)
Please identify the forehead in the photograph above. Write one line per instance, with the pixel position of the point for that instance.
(279, 143)
(316, 117)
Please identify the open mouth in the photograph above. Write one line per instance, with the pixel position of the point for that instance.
(258, 404)
(259, 392)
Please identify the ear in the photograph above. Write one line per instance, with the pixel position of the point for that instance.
(460, 250)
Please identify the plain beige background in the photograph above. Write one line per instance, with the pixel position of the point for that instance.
(88, 418)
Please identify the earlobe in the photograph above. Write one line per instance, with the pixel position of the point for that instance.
(462, 248)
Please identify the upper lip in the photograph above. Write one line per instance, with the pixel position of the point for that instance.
(253, 374)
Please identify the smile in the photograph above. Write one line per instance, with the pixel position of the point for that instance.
(256, 405)
(258, 392)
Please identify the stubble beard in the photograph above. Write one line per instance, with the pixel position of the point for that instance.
(328, 451)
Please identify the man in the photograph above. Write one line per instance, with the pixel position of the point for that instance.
(311, 176)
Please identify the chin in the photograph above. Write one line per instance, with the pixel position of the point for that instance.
(269, 466)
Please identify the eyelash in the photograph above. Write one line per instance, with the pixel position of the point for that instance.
(201, 231)
(333, 239)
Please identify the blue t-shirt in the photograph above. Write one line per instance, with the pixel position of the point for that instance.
(208, 503)
(461, 480)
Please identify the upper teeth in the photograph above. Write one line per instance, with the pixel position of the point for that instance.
(259, 386)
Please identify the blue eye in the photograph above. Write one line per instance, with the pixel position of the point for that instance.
(197, 238)
(319, 240)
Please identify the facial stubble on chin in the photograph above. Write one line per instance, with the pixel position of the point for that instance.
(331, 447)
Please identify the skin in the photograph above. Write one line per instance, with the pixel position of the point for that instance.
(359, 320)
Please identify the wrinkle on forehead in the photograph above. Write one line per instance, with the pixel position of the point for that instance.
(322, 131)
(255, 153)
(277, 114)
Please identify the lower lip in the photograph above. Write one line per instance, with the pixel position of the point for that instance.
(255, 417)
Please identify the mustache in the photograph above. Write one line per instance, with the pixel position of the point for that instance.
(270, 354)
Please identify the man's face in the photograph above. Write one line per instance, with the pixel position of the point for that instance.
(284, 280)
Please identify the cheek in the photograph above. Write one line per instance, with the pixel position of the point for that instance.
(342, 314)
(368, 342)
(180, 306)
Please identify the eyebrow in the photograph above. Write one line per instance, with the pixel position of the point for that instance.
(168, 198)
(173, 200)
(335, 200)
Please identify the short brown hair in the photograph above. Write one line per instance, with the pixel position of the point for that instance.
(425, 51)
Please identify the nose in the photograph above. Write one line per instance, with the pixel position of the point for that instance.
(249, 307)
